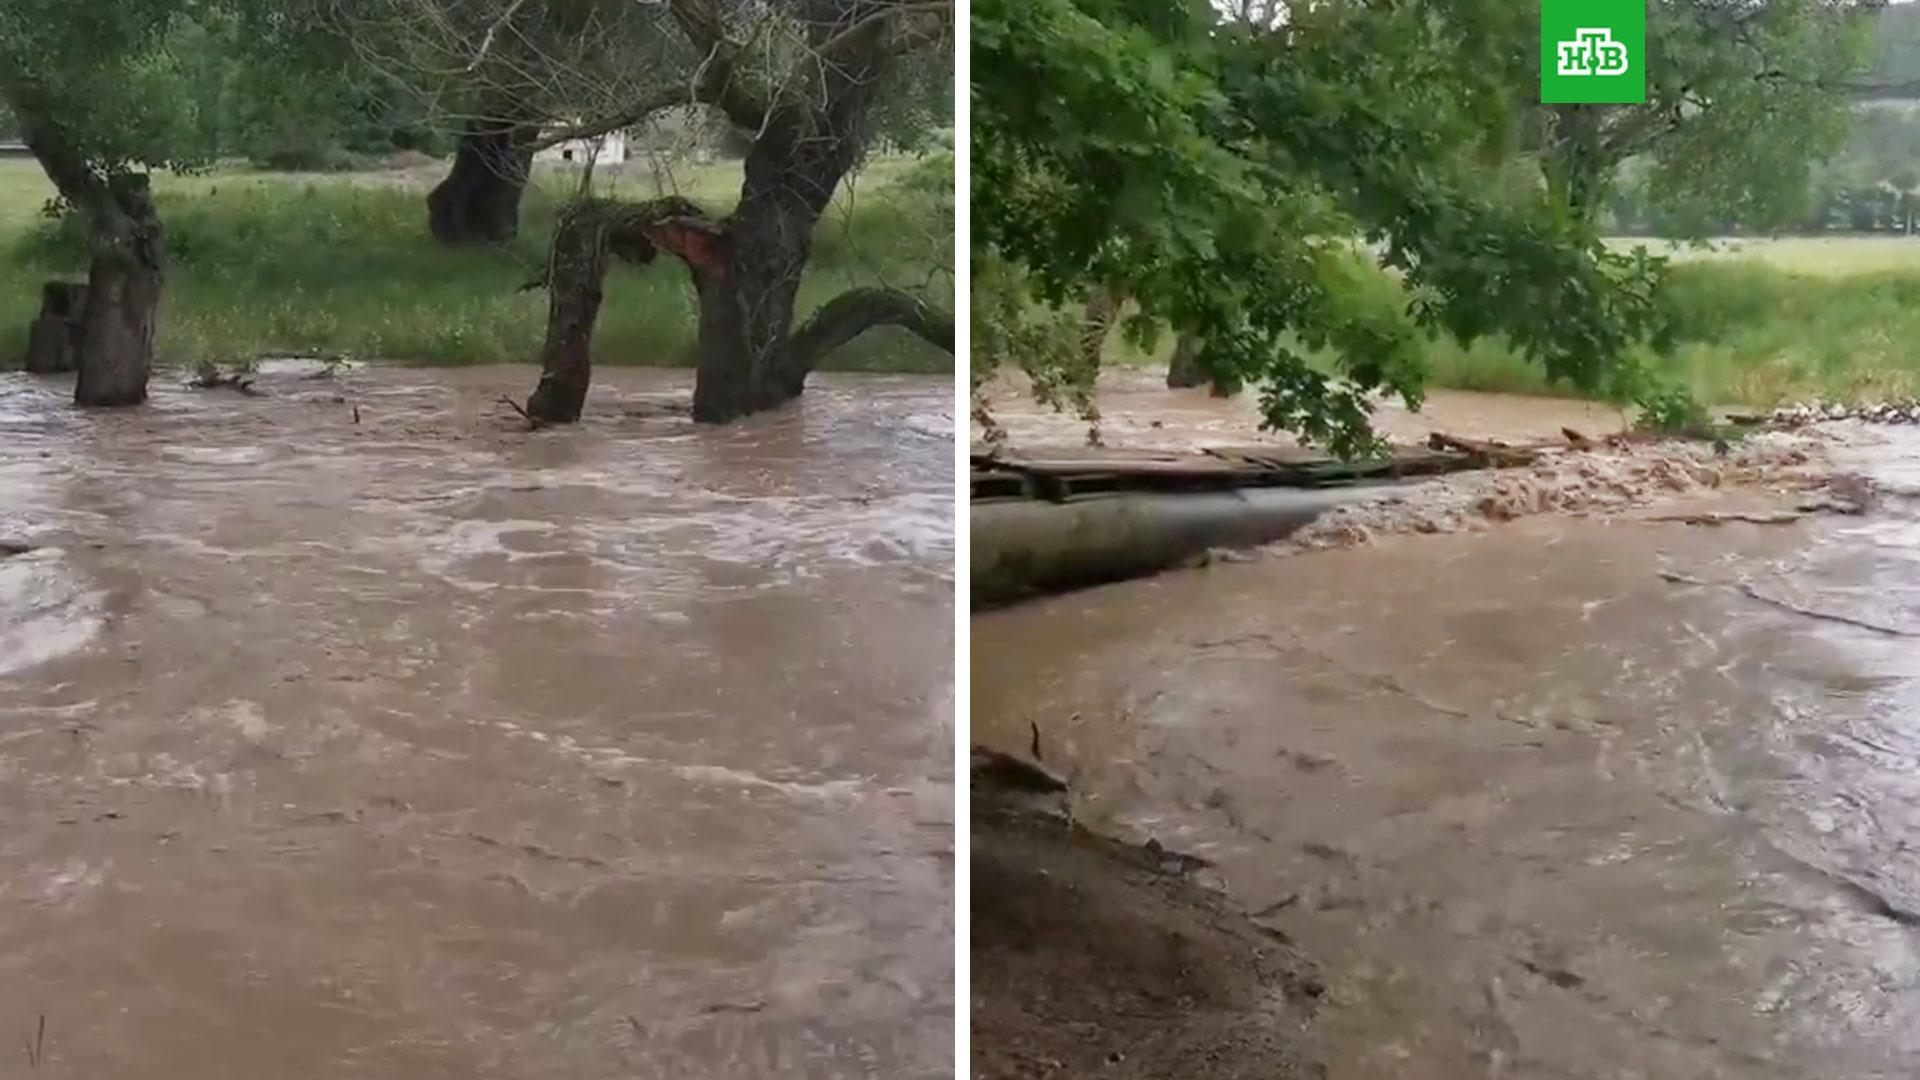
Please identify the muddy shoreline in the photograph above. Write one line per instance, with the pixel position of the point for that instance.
(1096, 958)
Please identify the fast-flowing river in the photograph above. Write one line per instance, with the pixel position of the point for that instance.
(353, 730)
(1539, 809)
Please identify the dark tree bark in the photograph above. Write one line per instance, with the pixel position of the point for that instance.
(114, 353)
(856, 311)
(123, 302)
(54, 341)
(479, 201)
(590, 233)
(574, 273)
(1096, 323)
(1185, 371)
(805, 148)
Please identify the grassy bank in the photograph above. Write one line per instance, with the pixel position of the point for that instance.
(272, 264)
(1760, 322)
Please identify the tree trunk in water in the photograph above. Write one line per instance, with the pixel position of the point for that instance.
(55, 338)
(115, 350)
(1185, 372)
(578, 266)
(591, 233)
(746, 270)
(1096, 323)
(807, 142)
(479, 201)
(746, 309)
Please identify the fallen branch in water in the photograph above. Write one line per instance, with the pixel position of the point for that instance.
(210, 378)
(993, 768)
(1498, 455)
(1752, 593)
(533, 422)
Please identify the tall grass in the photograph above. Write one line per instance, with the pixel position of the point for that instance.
(1759, 323)
(1750, 333)
(277, 264)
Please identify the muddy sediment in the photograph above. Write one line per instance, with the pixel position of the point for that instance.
(1097, 958)
(353, 729)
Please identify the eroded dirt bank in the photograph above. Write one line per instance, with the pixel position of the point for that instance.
(424, 746)
(1590, 796)
(1096, 958)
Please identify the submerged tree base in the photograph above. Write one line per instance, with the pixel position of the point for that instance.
(734, 379)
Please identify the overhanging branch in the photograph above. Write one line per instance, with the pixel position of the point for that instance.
(615, 121)
(856, 311)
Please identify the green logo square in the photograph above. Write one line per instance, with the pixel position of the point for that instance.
(1593, 51)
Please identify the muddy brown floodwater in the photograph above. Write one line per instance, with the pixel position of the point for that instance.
(424, 746)
(1537, 810)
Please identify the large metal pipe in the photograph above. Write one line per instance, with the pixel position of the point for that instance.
(1025, 547)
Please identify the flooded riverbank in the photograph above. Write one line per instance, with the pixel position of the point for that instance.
(355, 730)
(1590, 797)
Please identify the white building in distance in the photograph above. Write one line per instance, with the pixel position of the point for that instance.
(609, 149)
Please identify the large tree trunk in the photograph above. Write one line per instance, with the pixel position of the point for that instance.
(114, 352)
(593, 232)
(479, 201)
(747, 270)
(746, 309)
(574, 273)
(123, 302)
(1185, 371)
(804, 149)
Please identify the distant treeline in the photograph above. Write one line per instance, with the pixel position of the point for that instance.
(1871, 186)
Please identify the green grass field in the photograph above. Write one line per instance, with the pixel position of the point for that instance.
(265, 264)
(1761, 322)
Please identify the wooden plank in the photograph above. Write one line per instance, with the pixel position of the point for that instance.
(1080, 473)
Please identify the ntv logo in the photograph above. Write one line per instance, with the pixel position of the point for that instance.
(1592, 52)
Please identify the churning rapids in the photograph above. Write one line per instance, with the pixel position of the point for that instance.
(418, 745)
(1539, 810)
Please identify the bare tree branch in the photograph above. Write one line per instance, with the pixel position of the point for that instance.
(856, 311)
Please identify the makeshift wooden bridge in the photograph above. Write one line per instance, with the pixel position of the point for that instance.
(1061, 474)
